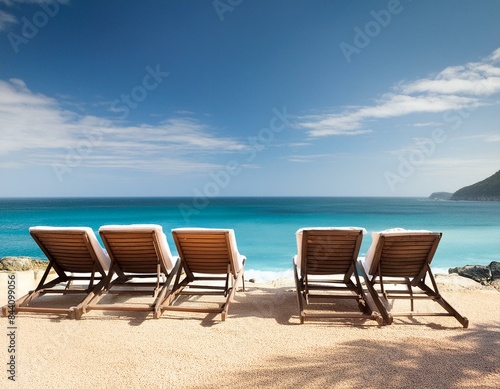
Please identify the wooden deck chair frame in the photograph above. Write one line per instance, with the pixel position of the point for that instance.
(206, 255)
(70, 251)
(404, 258)
(330, 253)
(137, 252)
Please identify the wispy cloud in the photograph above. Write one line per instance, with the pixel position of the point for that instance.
(476, 79)
(480, 167)
(6, 20)
(308, 158)
(454, 88)
(488, 138)
(36, 129)
(495, 56)
(427, 124)
(416, 146)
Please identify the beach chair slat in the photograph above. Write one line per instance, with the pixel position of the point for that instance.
(202, 252)
(404, 257)
(69, 250)
(137, 252)
(329, 253)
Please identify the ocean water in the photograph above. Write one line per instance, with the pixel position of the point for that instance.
(265, 226)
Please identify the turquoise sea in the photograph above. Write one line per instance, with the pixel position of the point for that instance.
(265, 226)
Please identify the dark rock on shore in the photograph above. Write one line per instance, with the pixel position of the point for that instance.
(21, 264)
(495, 270)
(479, 273)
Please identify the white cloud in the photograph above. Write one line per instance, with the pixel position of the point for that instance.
(455, 88)
(458, 166)
(310, 157)
(495, 56)
(390, 106)
(316, 158)
(427, 124)
(184, 112)
(298, 144)
(489, 138)
(6, 19)
(476, 79)
(35, 129)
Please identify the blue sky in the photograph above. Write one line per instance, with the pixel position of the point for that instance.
(247, 98)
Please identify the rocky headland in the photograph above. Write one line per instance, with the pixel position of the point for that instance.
(485, 190)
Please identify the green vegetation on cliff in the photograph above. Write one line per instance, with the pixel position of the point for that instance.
(440, 196)
(486, 190)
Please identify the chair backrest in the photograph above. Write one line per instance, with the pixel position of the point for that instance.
(71, 249)
(208, 250)
(328, 250)
(401, 253)
(137, 248)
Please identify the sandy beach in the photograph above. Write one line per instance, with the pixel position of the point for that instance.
(261, 344)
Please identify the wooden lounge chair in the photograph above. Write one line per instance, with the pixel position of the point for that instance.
(70, 251)
(206, 255)
(400, 257)
(137, 252)
(324, 269)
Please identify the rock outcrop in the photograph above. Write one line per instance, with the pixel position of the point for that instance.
(485, 275)
(21, 264)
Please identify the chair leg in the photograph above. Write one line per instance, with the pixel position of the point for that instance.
(229, 299)
(79, 310)
(410, 292)
(461, 319)
(40, 289)
(298, 288)
(375, 296)
(164, 292)
(441, 301)
(98, 295)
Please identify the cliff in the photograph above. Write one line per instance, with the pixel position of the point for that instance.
(486, 190)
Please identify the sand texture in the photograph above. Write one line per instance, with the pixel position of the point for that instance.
(261, 344)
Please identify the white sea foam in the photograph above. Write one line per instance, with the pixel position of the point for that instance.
(439, 270)
(266, 275)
